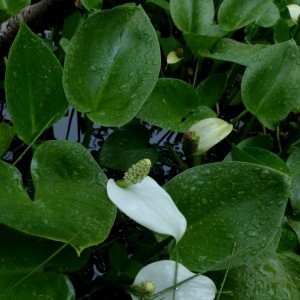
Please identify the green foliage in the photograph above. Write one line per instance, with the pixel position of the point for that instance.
(67, 182)
(239, 61)
(119, 69)
(34, 92)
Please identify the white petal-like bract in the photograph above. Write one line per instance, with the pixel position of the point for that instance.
(162, 276)
(150, 205)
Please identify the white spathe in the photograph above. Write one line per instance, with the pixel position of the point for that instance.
(150, 205)
(294, 11)
(210, 131)
(172, 58)
(162, 275)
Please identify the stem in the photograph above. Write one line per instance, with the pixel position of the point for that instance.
(226, 273)
(239, 116)
(35, 139)
(88, 132)
(181, 165)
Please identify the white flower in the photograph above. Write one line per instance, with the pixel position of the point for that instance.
(294, 11)
(148, 204)
(173, 58)
(206, 133)
(161, 275)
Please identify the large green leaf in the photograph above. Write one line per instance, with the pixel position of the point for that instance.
(271, 83)
(29, 267)
(126, 146)
(6, 135)
(70, 202)
(234, 14)
(269, 277)
(34, 91)
(227, 203)
(112, 64)
(174, 105)
(293, 163)
(13, 6)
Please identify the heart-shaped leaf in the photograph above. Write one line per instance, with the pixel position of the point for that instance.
(111, 70)
(33, 84)
(12, 7)
(70, 203)
(174, 105)
(271, 83)
(225, 204)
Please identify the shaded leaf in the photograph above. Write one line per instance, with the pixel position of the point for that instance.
(174, 105)
(126, 146)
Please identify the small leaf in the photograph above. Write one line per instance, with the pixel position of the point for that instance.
(174, 105)
(34, 90)
(227, 203)
(269, 17)
(234, 14)
(211, 88)
(120, 66)
(270, 86)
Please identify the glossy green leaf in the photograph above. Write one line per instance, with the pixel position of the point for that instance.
(34, 91)
(234, 14)
(195, 17)
(126, 146)
(271, 83)
(269, 17)
(70, 202)
(111, 70)
(192, 16)
(7, 133)
(174, 105)
(28, 267)
(293, 163)
(211, 88)
(260, 156)
(227, 203)
(269, 277)
(13, 6)
(231, 50)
